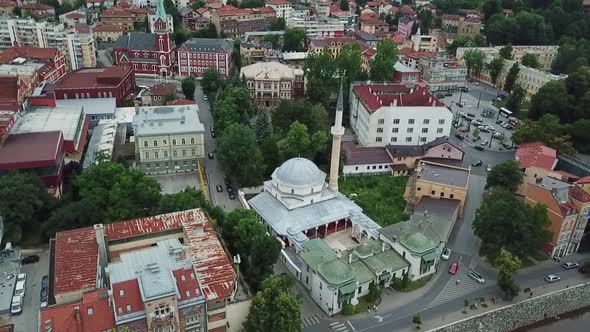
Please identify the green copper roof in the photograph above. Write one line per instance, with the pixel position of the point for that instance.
(316, 252)
(417, 242)
(336, 272)
(160, 11)
(347, 289)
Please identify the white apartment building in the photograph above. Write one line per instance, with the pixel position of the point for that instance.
(545, 53)
(384, 114)
(317, 27)
(282, 8)
(78, 46)
(421, 43)
(168, 139)
(442, 74)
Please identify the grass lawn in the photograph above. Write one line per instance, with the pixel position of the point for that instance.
(413, 285)
(380, 196)
(364, 305)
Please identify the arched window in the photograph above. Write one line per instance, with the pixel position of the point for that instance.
(145, 143)
(155, 143)
(163, 60)
(173, 142)
(183, 141)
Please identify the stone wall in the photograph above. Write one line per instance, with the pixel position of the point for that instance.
(524, 313)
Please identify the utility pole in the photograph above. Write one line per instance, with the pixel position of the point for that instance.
(491, 139)
(460, 96)
(479, 99)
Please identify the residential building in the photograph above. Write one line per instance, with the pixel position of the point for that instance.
(424, 43)
(398, 160)
(443, 74)
(198, 54)
(235, 22)
(117, 16)
(254, 52)
(317, 27)
(271, 82)
(545, 54)
(537, 161)
(332, 45)
(111, 82)
(149, 53)
(14, 89)
(410, 58)
(73, 18)
(321, 7)
(168, 139)
(405, 75)
(282, 8)
(37, 153)
(179, 252)
(383, 114)
(108, 33)
(374, 25)
(421, 239)
(368, 39)
(405, 26)
(438, 181)
(568, 206)
(347, 18)
(39, 11)
(77, 45)
(156, 94)
(260, 36)
(53, 61)
(7, 7)
(462, 25)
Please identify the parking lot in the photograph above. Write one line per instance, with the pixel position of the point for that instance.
(176, 182)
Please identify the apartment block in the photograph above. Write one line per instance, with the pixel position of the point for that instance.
(235, 22)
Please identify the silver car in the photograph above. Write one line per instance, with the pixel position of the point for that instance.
(570, 265)
(552, 278)
(476, 276)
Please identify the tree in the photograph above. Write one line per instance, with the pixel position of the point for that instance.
(349, 62)
(491, 8)
(119, 193)
(506, 52)
(465, 41)
(187, 199)
(238, 154)
(474, 60)
(507, 265)
(320, 71)
(476, 133)
(293, 40)
(314, 117)
(425, 17)
(552, 98)
(296, 143)
(495, 68)
(515, 99)
(417, 320)
(274, 308)
(24, 203)
(275, 40)
(530, 60)
(511, 77)
(504, 221)
(211, 80)
(344, 5)
(547, 130)
(188, 88)
(262, 127)
(506, 175)
(180, 36)
(198, 4)
(277, 24)
(169, 97)
(209, 32)
(385, 59)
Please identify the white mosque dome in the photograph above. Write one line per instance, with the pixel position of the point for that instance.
(300, 173)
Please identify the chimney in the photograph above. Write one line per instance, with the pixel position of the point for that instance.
(103, 259)
(77, 312)
(136, 104)
(383, 246)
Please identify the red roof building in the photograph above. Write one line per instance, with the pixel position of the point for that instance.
(111, 82)
(536, 154)
(53, 58)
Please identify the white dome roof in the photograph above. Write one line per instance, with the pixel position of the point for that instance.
(299, 172)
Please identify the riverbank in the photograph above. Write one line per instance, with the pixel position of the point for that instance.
(573, 321)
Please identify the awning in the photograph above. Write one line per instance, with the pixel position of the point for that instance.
(430, 256)
(348, 289)
(385, 276)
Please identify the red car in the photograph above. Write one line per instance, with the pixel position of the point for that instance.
(453, 269)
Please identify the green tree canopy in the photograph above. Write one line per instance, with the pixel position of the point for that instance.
(506, 52)
(511, 77)
(274, 308)
(530, 60)
(277, 24)
(262, 127)
(211, 81)
(296, 143)
(239, 155)
(474, 60)
(294, 40)
(507, 265)
(515, 99)
(506, 175)
(314, 117)
(385, 59)
(188, 88)
(552, 98)
(547, 130)
(495, 69)
(186, 199)
(491, 8)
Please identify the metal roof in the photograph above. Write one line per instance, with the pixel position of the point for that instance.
(60, 118)
(209, 45)
(137, 41)
(439, 173)
(103, 139)
(163, 120)
(92, 106)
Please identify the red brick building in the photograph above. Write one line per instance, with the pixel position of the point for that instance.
(197, 54)
(53, 58)
(112, 82)
(148, 53)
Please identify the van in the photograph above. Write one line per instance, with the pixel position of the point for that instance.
(20, 288)
(476, 276)
(17, 306)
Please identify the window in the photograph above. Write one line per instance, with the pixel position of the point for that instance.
(184, 163)
(442, 194)
(425, 130)
(441, 121)
(433, 193)
(193, 140)
(193, 152)
(381, 121)
(408, 139)
(166, 164)
(379, 130)
(394, 130)
(183, 141)
(174, 153)
(147, 155)
(182, 278)
(422, 139)
(394, 139)
(155, 143)
(410, 130)
(145, 144)
(164, 142)
(451, 196)
(320, 285)
(411, 121)
(395, 121)
(157, 165)
(184, 153)
(419, 188)
(378, 139)
(128, 307)
(120, 310)
(156, 155)
(173, 142)
(165, 154)
(426, 121)
(90, 312)
(439, 130)
(148, 166)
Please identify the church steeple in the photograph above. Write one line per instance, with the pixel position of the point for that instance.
(161, 11)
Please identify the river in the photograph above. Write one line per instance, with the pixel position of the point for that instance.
(578, 321)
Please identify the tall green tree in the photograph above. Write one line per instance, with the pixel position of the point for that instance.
(552, 98)
(515, 99)
(491, 8)
(297, 142)
(187, 199)
(506, 175)
(211, 81)
(547, 130)
(474, 60)
(511, 77)
(277, 24)
(425, 17)
(314, 117)
(320, 71)
(530, 60)
(349, 62)
(344, 5)
(507, 265)
(239, 155)
(262, 127)
(385, 59)
(188, 88)
(294, 40)
(495, 68)
(506, 52)
(274, 308)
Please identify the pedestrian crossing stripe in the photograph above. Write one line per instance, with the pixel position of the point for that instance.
(310, 320)
(339, 327)
(453, 291)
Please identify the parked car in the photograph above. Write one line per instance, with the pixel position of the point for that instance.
(227, 181)
(205, 97)
(551, 278)
(570, 265)
(484, 143)
(232, 195)
(44, 291)
(484, 129)
(211, 155)
(471, 115)
(476, 276)
(459, 136)
(21, 277)
(219, 188)
(499, 122)
(465, 89)
(498, 135)
(16, 306)
(29, 260)
(480, 148)
(464, 130)
(440, 95)
(446, 254)
(453, 269)
(448, 93)
(477, 163)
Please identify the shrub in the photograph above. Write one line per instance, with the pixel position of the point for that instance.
(348, 309)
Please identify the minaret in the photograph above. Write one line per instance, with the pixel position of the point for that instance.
(337, 131)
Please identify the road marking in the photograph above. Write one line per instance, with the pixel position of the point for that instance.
(335, 323)
(310, 320)
(352, 327)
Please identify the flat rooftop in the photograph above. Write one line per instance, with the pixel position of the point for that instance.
(162, 120)
(452, 176)
(37, 149)
(92, 106)
(43, 119)
(93, 78)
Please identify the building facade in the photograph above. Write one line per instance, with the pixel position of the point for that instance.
(384, 114)
(271, 82)
(442, 74)
(424, 43)
(234, 22)
(545, 53)
(198, 54)
(282, 8)
(317, 27)
(168, 139)
(331, 45)
(55, 65)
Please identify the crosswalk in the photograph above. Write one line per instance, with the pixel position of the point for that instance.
(339, 326)
(452, 290)
(310, 321)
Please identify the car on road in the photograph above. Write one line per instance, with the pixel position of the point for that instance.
(498, 135)
(44, 291)
(211, 155)
(21, 277)
(476, 276)
(446, 254)
(464, 130)
(480, 148)
(453, 269)
(489, 168)
(471, 115)
(16, 306)
(484, 143)
(465, 89)
(459, 136)
(29, 260)
(219, 188)
(205, 98)
(484, 129)
(232, 195)
(570, 265)
(477, 163)
(551, 278)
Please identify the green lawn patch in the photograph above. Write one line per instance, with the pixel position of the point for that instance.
(380, 196)
(412, 285)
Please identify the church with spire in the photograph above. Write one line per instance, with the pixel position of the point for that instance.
(150, 53)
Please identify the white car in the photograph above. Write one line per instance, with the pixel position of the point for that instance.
(21, 277)
(552, 278)
(446, 254)
(489, 168)
(16, 306)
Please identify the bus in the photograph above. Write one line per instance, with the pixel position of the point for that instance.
(505, 112)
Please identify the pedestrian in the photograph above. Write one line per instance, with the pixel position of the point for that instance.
(531, 294)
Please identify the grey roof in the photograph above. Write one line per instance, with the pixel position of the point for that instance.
(92, 106)
(43, 119)
(137, 41)
(209, 45)
(103, 139)
(299, 172)
(358, 155)
(560, 189)
(249, 34)
(452, 176)
(446, 208)
(162, 120)
(367, 36)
